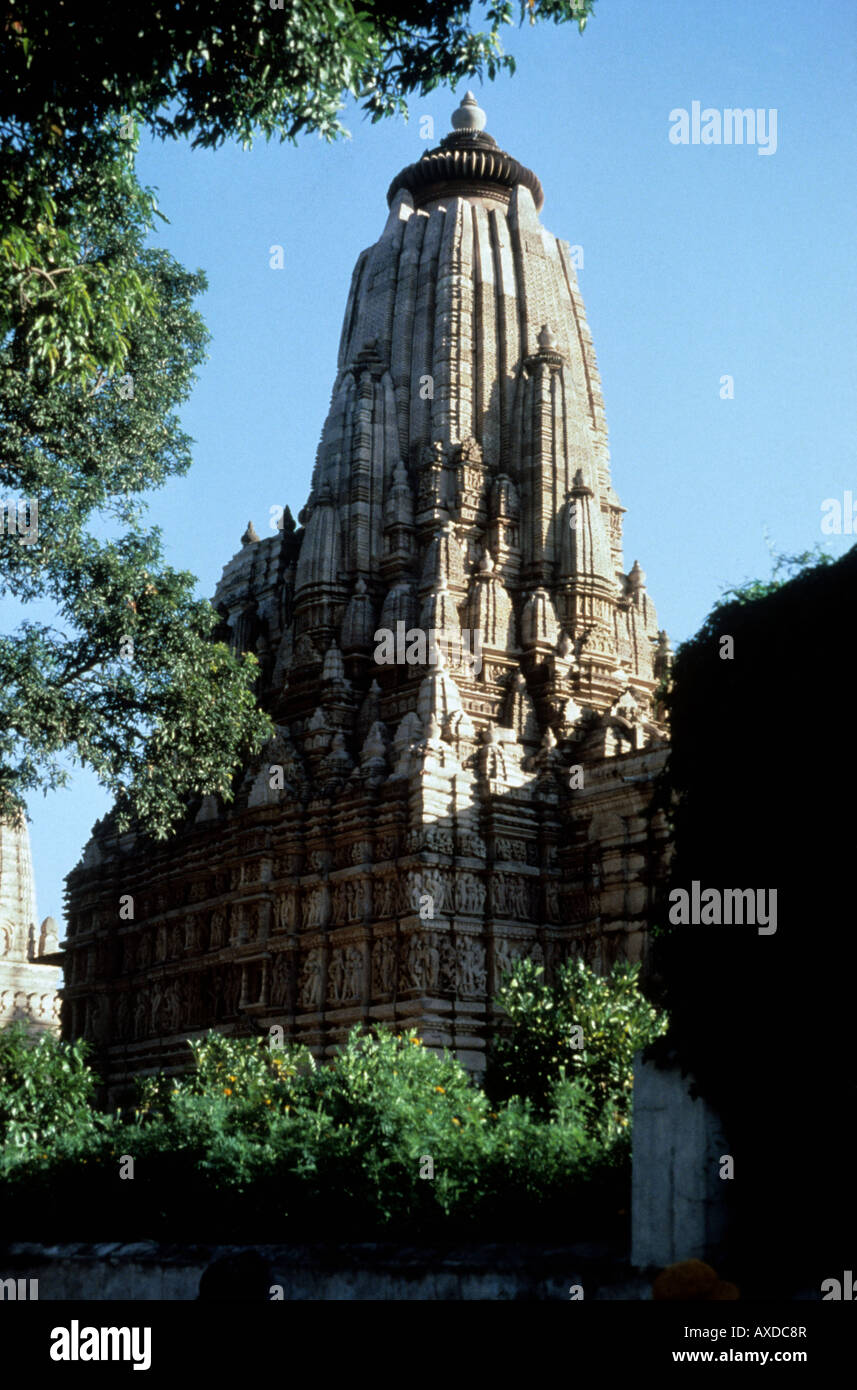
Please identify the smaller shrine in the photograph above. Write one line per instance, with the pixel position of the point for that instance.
(30, 973)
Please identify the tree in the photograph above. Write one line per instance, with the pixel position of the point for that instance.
(584, 1025)
(126, 678)
(217, 70)
(759, 799)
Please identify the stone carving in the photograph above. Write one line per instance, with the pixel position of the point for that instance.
(506, 953)
(421, 962)
(191, 1001)
(305, 652)
(469, 894)
(317, 907)
(384, 894)
(552, 900)
(171, 1008)
(511, 849)
(388, 847)
(511, 896)
(309, 986)
(218, 928)
(345, 974)
(281, 973)
(140, 1016)
(422, 884)
(286, 912)
(471, 972)
(384, 966)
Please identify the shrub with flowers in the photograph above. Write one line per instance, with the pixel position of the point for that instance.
(388, 1139)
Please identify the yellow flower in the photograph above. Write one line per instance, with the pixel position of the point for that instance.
(440, 1090)
(232, 1078)
(455, 1121)
(227, 1091)
(287, 1108)
(267, 1101)
(416, 1042)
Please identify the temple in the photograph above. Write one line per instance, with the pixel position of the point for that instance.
(29, 959)
(417, 823)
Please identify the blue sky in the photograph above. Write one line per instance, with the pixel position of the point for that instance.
(698, 261)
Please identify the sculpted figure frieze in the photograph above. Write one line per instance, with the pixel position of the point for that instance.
(472, 975)
(383, 966)
(281, 973)
(309, 986)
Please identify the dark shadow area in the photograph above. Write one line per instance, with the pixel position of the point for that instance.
(761, 768)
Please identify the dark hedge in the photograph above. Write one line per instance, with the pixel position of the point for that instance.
(761, 784)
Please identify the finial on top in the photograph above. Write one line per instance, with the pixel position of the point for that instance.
(250, 535)
(469, 116)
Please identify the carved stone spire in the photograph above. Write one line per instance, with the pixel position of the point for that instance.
(424, 829)
(489, 609)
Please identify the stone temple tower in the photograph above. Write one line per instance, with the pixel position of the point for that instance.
(29, 973)
(460, 668)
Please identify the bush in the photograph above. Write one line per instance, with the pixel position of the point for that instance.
(585, 1026)
(46, 1091)
(390, 1140)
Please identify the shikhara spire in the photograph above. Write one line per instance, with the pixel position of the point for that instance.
(448, 637)
(467, 421)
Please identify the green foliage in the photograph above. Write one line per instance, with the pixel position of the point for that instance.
(81, 298)
(257, 1142)
(216, 70)
(785, 568)
(73, 283)
(697, 666)
(46, 1091)
(545, 1024)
